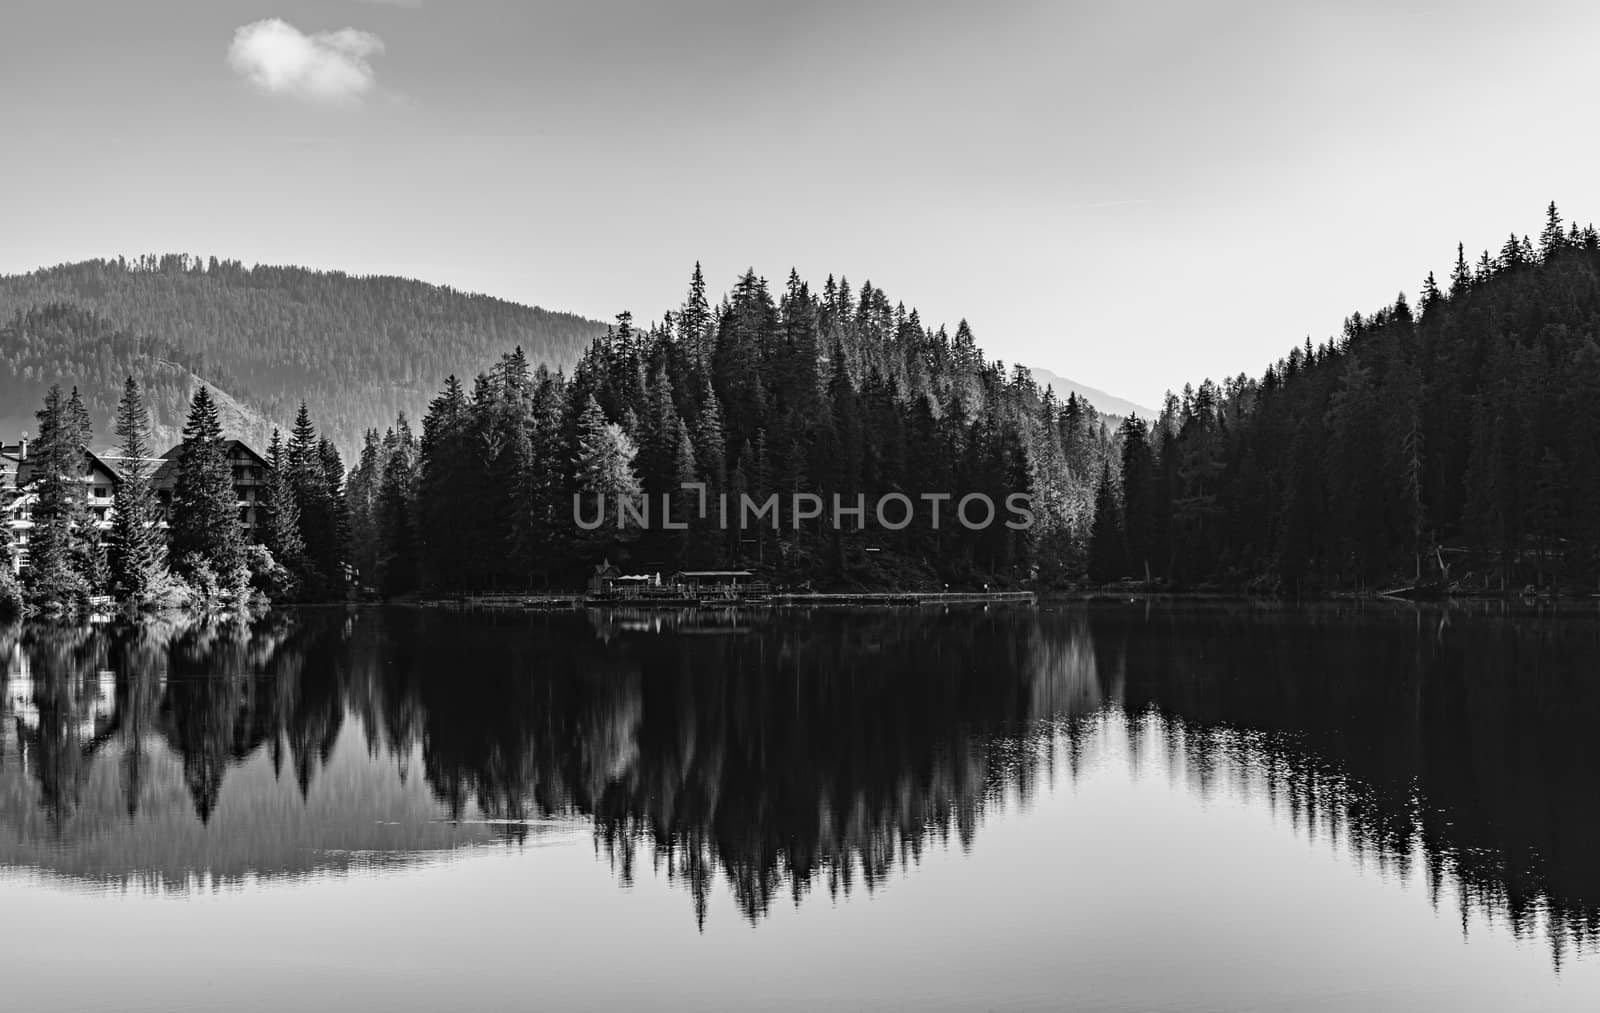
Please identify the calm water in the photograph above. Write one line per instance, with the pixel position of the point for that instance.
(1110, 807)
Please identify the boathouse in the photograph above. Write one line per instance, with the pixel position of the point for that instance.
(717, 583)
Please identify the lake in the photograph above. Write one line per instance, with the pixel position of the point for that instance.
(1129, 806)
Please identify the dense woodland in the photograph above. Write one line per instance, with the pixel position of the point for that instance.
(356, 350)
(1456, 442)
(832, 392)
(839, 393)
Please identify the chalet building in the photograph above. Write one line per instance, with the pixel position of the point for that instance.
(11, 454)
(252, 476)
(252, 481)
(12, 508)
(604, 576)
(19, 478)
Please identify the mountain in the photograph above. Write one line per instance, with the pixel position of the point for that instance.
(76, 347)
(356, 349)
(1105, 404)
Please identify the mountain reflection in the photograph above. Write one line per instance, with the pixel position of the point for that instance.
(785, 751)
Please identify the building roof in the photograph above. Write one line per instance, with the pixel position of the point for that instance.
(101, 462)
(235, 446)
(167, 473)
(714, 573)
(27, 469)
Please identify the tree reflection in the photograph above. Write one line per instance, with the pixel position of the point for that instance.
(1459, 742)
(788, 750)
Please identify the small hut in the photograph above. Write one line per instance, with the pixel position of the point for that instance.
(604, 577)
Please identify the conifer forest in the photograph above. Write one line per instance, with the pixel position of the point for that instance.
(1446, 441)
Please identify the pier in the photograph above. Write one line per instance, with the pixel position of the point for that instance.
(903, 598)
(722, 599)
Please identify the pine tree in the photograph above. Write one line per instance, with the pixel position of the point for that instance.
(1461, 274)
(1138, 497)
(711, 450)
(1106, 558)
(442, 486)
(283, 527)
(318, 495)
(603, 467)
(685, 503)
(694, 320)
(846, 466)
(205, 512)
(541, 506)
(397, 550)
(1552, 240)
(1431, 296)
(55, 574)
(361, 498)
(1487, 267)
(138, 552)
(338, 523)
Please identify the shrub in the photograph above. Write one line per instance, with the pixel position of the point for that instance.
(269, 577)
(10, 593)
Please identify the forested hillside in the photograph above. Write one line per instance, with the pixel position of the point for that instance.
(830, 392)
(357, 349)
(61, 343)
(1453, 443)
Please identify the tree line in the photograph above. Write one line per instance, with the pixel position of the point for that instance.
(841, 392)
(1456, 443)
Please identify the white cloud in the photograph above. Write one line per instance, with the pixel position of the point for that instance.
(280, 59)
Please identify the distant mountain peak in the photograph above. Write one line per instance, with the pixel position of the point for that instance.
(1105, 404)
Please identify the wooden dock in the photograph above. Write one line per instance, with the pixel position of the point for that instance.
(538, 602)
(904, 598)
(679, 601)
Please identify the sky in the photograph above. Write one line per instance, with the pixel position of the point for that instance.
(1135, 195)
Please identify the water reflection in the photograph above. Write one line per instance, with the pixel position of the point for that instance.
(786, 752)
(1454, 745)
